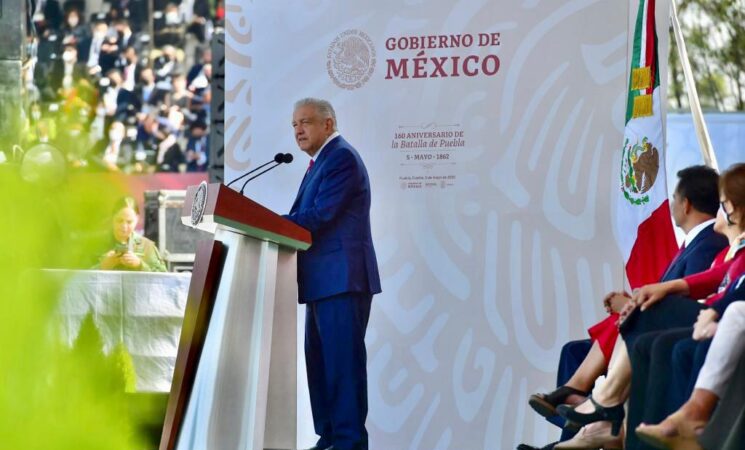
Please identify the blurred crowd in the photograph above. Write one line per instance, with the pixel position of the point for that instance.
(116, 87)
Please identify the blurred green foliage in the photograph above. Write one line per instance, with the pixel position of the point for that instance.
(714, 34)
(51, 396)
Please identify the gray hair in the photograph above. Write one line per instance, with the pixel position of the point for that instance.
(323, 107)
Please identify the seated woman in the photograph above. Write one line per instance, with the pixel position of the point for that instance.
(130, 250)
(680, 429)
(606, 404)
(694, 205)
(665, 363)
(699, 407)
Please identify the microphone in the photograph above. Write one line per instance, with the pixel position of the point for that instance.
(279, 159)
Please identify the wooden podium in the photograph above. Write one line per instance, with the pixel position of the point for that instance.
(234, 383)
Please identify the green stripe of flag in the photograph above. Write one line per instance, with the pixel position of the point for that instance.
(636, 55)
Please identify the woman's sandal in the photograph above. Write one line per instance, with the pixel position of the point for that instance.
(545, 404)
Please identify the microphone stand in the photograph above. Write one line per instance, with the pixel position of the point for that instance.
(249, 173)
(258, 174)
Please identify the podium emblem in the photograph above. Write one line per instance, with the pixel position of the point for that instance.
(199, 203)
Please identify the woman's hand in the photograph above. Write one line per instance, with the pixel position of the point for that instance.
(706, 324)
(648, 295)
(130, 260)
(110, 260)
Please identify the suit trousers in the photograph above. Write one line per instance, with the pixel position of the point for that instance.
(688, 359)
(336, 364)
(572, 355)
(673, 311)
(651, 376)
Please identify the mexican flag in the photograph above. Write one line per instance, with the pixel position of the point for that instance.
(644, 226)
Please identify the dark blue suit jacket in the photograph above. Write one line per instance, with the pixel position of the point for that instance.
(698, 255)
(333, 203)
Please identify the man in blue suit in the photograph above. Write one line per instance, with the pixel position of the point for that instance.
(337, 276)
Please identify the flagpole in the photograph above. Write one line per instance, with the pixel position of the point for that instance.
(702, 132)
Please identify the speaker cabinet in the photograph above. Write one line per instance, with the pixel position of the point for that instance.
(176, 242)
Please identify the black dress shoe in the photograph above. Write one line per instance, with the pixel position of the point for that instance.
(613, 414)
(545, 404)
(530, 447)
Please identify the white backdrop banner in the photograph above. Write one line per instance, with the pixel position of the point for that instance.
(492, 132)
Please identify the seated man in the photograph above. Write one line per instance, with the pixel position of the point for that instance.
(720, 375)
(659, 307)
(694, 206)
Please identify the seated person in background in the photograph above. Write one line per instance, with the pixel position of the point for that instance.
(170, 27)
(116, 152)
(147, 93)
(171, 157)
(118, 102)
(130, 250)
(197, 147)
(694, 205)
(165, 65)
(197, 77)
(658, 308)
(722, 368)
(179, 96)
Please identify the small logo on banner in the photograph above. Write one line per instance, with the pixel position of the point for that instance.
(639, 167)
(351, 59)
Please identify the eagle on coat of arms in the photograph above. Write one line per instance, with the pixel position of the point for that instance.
(639, 167)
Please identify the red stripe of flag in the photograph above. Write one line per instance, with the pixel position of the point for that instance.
(650, 44)
(653, 249)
